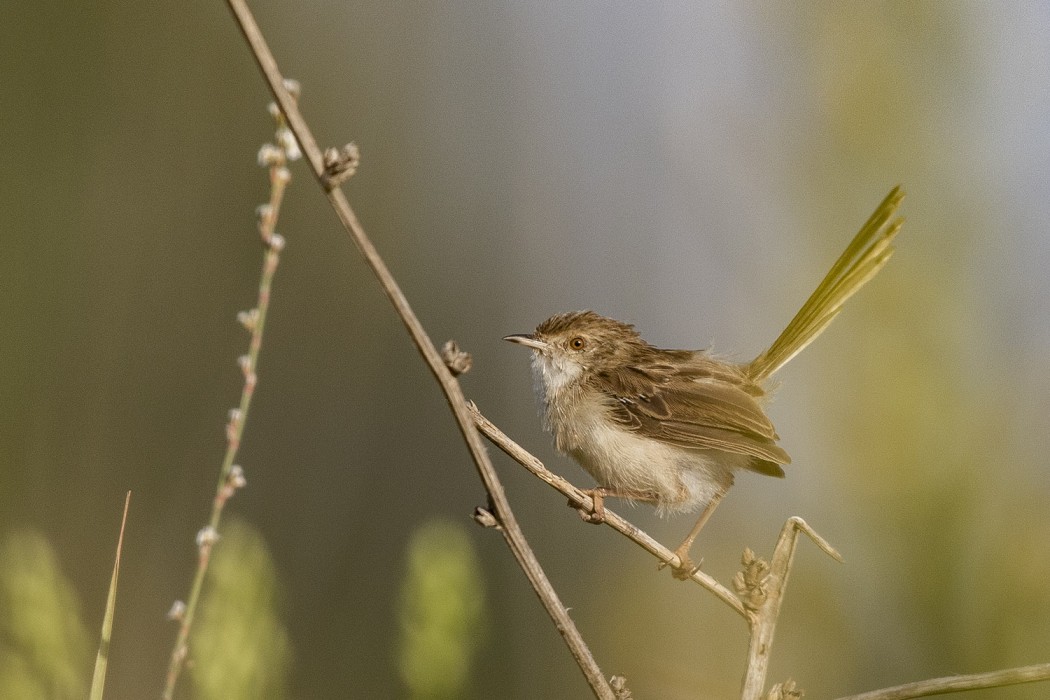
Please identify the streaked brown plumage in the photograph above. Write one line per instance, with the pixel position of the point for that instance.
(671, 426)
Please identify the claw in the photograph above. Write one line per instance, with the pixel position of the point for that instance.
(596, 515)
(686, 569)
(592, 518)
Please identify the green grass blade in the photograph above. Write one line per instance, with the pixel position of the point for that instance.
(98, 681)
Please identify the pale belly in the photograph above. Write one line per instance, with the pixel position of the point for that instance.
(680, 479)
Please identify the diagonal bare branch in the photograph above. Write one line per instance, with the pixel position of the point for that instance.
(449, 385)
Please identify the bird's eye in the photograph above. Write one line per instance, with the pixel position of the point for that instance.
(577, 343)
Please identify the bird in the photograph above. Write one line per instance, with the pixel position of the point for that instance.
(672, 427)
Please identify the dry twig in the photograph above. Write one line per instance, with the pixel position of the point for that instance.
(955, 684)
(510, 529)
(761, 585)
(231, 476)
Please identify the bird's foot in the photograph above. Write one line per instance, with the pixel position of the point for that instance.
(596, 514)
(686, 568)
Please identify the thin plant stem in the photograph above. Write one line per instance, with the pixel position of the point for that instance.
(958, 684)
(230, 475)
(509, 527)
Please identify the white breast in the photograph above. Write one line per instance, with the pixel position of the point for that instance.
(554, 374)
(620, 459)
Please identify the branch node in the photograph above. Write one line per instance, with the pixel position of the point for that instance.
(265, 214)
(249, 319)
(485, 518)
(275, 242)
(233, 424)
(287, 143)
(340, 164)
(280, 175)
(457, 361)
(177, 611)
(234, 480)
(620, 689)
(207, 536)
(785, 691)
(236, 477)
(294, 87)
(270, 156)
(750, 582)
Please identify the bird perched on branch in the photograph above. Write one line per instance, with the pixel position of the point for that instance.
(670, 427)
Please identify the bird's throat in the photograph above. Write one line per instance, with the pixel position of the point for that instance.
(555, 374)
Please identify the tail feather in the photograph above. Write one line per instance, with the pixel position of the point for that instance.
(863, 258)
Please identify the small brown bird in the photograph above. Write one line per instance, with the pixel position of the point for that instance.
(670, 427)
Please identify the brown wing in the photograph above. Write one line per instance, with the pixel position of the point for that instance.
(696, 405)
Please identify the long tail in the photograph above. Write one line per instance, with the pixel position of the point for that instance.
(862, 259)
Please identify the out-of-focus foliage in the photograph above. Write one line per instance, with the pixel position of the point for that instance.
(442, 612)
(239, 645)
(689, 167)
(43, 643)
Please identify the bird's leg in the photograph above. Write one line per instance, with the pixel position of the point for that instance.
(597, 514)
(686, 568)
(598, 494)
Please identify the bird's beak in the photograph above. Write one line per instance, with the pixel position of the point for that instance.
(529, 341)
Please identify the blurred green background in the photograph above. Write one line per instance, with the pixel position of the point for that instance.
(689, 167)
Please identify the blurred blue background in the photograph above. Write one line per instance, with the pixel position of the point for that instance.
(692, 168)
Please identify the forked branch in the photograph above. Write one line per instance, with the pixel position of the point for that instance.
(510, 529)
(761, 586)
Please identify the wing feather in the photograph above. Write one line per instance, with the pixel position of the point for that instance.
(693, 402)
